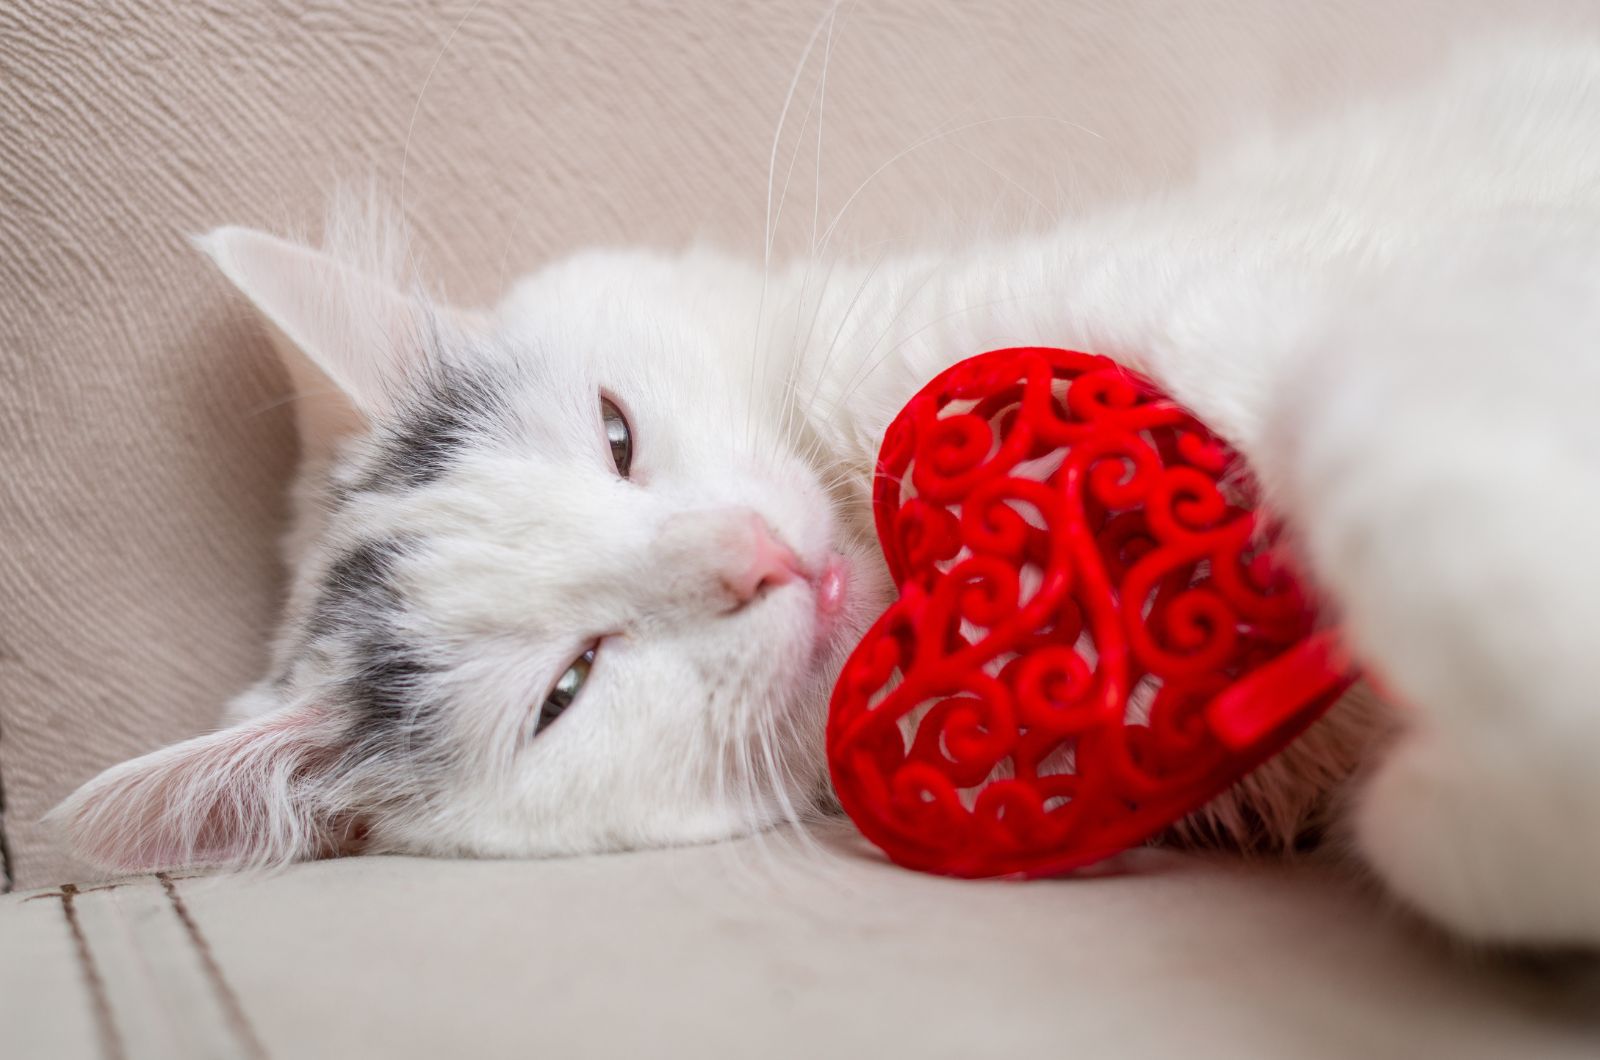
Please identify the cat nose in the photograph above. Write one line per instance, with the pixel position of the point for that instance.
(764, 562)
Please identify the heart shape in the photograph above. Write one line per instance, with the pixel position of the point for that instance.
(1093, 635)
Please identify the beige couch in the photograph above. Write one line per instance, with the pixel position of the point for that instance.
(145, 445)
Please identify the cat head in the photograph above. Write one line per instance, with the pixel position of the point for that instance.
(564, 581)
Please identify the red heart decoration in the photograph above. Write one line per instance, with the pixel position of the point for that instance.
(1092, 638)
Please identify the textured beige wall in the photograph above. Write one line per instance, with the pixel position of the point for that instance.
(144, 438)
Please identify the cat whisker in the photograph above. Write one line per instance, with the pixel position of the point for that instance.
(833, 344)
(807, 291)
(756, 358)
(935, 137)
(883, 357)
(416, 109)
(905, 303)
(796, 361)
(1007, 178)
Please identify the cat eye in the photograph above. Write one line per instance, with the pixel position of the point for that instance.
(565, 691)
(618, 435)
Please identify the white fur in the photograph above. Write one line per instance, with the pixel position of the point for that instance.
(1395, 314)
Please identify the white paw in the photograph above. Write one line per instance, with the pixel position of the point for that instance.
(1492, 836)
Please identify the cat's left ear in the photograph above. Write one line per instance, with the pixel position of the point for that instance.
(338, 327)
(261, 792)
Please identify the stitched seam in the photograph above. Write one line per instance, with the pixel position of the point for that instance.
(99, 1001)
(7, 880)
(238, 1022)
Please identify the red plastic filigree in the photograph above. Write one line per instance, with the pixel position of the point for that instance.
(1092, 637)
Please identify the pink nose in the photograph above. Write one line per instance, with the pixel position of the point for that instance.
(763, 563)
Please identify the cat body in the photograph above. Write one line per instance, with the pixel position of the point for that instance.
(643, 478)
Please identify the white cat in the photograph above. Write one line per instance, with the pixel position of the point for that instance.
(634, 495)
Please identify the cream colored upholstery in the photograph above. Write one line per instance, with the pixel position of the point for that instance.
(761, 949)
(145, 444)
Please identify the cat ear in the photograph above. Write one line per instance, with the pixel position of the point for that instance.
(335, 323)
(253, 794)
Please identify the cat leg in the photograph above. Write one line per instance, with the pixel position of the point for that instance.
(1438, 454)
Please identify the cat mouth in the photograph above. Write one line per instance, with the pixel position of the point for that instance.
(830, 594)
(831, 586)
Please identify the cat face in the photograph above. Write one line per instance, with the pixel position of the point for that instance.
(568, 583)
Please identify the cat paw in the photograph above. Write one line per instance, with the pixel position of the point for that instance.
(1488, 837)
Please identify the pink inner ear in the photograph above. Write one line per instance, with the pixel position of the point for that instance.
(246, 795)
(323, 413)
(364, 335)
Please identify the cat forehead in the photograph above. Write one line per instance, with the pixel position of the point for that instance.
(639, 301)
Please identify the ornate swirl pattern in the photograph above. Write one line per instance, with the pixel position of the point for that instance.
(1093, 636)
